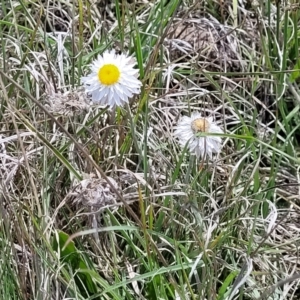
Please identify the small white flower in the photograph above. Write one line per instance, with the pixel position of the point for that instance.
(188, 130)
(113, 79)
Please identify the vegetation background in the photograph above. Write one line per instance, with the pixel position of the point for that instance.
(169, 227)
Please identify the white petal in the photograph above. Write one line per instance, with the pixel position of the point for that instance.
(115, 94)
(200, 146)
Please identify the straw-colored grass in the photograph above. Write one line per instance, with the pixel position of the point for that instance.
(101, 204)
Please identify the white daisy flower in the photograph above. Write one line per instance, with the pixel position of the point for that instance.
(188, 129)
(113, 79)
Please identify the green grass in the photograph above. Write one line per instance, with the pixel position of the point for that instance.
(178, 227)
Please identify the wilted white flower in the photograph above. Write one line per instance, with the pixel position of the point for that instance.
(188, 129)
(69, 103)
(113, 79)
(95, 193)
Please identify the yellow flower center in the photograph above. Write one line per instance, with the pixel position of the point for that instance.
(200, 125)
(109, 74)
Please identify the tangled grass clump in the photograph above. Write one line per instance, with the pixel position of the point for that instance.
(102, 202)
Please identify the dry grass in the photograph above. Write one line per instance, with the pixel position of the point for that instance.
(169, 227)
